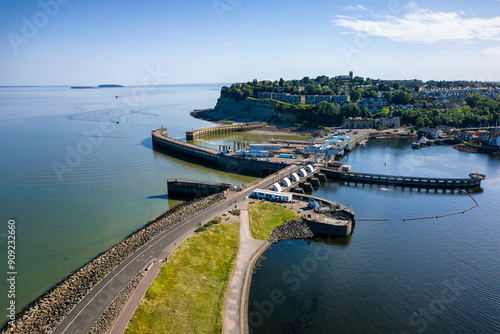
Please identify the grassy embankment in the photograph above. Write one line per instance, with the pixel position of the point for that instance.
(188, 294)
(264, 217)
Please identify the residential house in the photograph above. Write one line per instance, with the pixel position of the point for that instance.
(391, 122)
(373, 104)
(358, 123)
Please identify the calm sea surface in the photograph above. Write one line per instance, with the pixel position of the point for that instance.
(424, 276)
(76, 182)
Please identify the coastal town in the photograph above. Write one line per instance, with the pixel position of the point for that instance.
(244, 167)
(288, 170)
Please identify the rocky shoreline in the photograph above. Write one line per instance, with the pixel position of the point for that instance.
(293, 229)
(44, 314)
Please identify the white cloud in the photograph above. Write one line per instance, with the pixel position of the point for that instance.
(358, 7)
(421, 25)
(494, 51)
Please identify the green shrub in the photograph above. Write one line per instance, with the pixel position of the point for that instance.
(236, 212)
(201, 229)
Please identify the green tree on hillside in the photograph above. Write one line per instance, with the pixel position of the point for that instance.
(401, 98)
(355, 95)
(473, 99)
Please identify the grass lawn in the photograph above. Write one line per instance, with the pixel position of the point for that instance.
(264, 217)
(188, 294)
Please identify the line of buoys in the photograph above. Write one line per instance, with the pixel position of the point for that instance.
(448, 214)
(433, 217)
(470, 195)
(373, 220)
(419, 218)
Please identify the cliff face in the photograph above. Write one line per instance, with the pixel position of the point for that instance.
(259, 110)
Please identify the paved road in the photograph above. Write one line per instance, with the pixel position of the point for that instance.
(83, 316)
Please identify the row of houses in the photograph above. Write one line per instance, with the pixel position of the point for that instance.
(437, 132)
(308, 99)
(371, 123)
(373, 104)
(460, 90)
(488, 138)
(283, 97)
(430, 105)
(338, 99)
(407, 83)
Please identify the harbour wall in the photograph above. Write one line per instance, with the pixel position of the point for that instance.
(194, 189)
(215, 130)
(231, 164)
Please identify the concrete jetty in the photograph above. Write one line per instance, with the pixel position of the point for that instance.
(194, 189)
(216, 130)
(474, 180)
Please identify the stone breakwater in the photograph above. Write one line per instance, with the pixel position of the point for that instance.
(108, 317)
(293, 229)
(44, 314)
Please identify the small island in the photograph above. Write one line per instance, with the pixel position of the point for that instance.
(110, 86)
(100, 86)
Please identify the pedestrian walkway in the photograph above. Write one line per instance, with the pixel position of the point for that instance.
(248, 247)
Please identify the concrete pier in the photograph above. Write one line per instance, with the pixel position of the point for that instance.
(297, 190)
(404, 181)
(313, 181)
(330, 226)
(320, 176)
(306, 186)
(194, 189)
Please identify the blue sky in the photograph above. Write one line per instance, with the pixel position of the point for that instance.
(76, 42)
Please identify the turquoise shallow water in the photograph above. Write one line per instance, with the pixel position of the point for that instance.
(76, 182)
(395, 276)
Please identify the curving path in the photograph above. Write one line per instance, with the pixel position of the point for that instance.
(247, 249)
